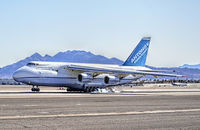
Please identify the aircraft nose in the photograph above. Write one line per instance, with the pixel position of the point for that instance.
(16, 75)
(21, 73)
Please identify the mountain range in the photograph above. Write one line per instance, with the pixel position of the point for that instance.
(197, 66)
(192, 71)
(68, 56)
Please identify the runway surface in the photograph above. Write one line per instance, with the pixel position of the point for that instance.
(139, 108)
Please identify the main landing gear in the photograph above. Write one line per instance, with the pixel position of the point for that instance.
(89, 89)
(35, 89)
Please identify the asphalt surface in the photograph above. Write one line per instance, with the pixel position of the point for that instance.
(146, 109)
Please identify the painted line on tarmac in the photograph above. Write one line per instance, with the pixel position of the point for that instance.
(98, 114)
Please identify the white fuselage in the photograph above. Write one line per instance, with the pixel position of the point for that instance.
(56, 74)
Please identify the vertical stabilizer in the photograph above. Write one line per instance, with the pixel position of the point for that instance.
(139, 55)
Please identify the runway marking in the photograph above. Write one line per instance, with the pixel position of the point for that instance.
(30, 105)
(43, 112)
(98, 114)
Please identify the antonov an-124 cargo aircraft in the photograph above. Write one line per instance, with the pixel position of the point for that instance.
(88, 77)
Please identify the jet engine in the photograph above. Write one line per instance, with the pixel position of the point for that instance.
(84, 77)
(110, 79)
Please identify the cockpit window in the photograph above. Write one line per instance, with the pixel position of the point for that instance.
(31, 64)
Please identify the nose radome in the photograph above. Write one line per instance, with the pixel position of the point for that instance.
(15, 75)
(18, 74)
(22, 73)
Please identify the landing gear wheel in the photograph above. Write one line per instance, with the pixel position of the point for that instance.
(87, 90)
(37, 89)
(93, 89)
(84, 90)
(90, 89)
(33, 89)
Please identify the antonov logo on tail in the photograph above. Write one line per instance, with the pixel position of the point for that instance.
(140, 53)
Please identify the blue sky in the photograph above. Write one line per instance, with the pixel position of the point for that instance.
(107, 27)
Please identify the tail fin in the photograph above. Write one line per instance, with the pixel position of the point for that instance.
(139, 55)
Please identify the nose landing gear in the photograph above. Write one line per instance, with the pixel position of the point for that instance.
(33, 89)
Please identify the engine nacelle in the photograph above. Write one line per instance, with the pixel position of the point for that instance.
(110, 79)
(83, 77)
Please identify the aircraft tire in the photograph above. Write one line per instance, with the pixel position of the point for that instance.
(87, 90)
(94, 88)
(90, 89)
(32, 89)
(37, 89)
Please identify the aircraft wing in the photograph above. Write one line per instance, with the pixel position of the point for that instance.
(116, 70)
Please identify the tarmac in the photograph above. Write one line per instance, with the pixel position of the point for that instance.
(146, 107)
